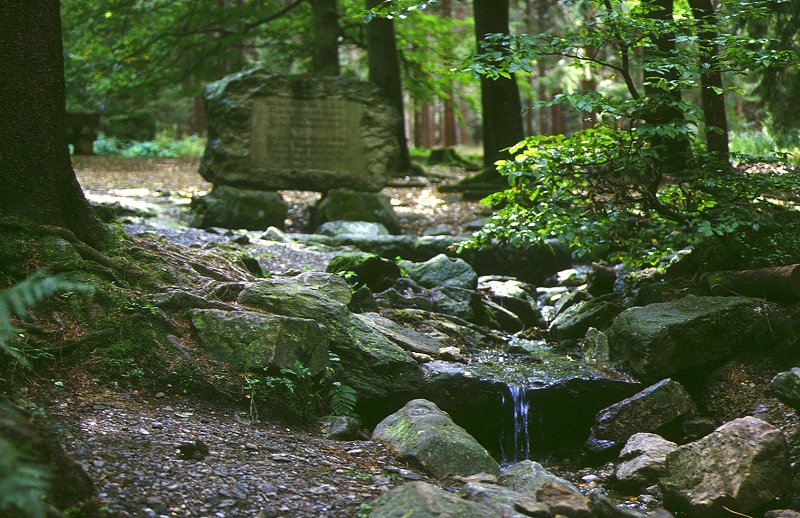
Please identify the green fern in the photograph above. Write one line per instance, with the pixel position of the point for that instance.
(22, 485)
(16, 301)
(342, 398)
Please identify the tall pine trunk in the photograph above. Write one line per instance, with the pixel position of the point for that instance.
(712, 96)
(500, 102)
(38, 182)
(326, 37)
(384, 71)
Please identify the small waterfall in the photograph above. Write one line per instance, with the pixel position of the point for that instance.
(515, 439)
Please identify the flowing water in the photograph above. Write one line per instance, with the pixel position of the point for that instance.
(516, 437)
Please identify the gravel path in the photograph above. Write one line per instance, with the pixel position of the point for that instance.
(127, 442)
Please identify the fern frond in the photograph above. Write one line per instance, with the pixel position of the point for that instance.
(342, 398)
(22, 485)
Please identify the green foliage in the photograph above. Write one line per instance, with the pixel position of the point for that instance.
(302, 394)
(760, 143)
(16, 301)
(602, 192)
(163, 146)
(22, 484)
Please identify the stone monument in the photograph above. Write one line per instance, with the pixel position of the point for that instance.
(270, 132)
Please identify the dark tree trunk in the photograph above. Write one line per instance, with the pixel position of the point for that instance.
(500, 102)
(713, 99)
(449, 135)
(384, 71)
(778, 283)
(326, 37)
(672, 150)
(38, 183)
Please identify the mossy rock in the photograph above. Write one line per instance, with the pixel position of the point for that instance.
(370, 269)
(424, 435)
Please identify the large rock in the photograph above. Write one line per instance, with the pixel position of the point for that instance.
(350, 205)
(742, 465)
(423, 500)
(573, 322)
(499, 498)
(442, 271)
(655, 408)
(663, 339)
(528, 477)
(422, 434)
(370, 269)
(383, 374)
(786, 386)
(356, 228)
(408, 339)
(231, 207)
(642, 460)
(248, 340)
(273, 132)
(516, 296)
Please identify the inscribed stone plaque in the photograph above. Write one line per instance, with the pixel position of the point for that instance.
(306, 134)
(271, 132)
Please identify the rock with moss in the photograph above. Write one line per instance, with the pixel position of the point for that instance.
(516, 296)
(423, 500)
(354, 228)
(655, 409)
(424, 435)
(352, 205)
(442, 270)
(527, 477)
(381, 372)
(370, 269)
(642, 460)
(663, 339)
(405, 293)
(248, 340)
(741, 466)
(786, 386)
(408, 339)
(232, 207)
(499, 498)
(573, 322)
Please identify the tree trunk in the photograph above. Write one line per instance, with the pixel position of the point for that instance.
(779, 283)
(384, 71)
(38, 183)
(449, 136)
(672, 150)
(326, 37)
(500, 102)
(713, 98)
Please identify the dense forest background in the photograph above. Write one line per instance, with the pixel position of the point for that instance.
(142, 65)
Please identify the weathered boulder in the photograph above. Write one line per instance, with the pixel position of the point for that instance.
(422, 434)
(514, 295)
(350, 205)
(248, 340)
(663, 339)
(498, 498)
(441, 271)
(653, 409)
(742, 465)
(232, 207)
(340, 427)
(528, 477)
(273, 132)
(564, 502)
(370, 269)
(405, 293)
(595, 346)
(423, 500)
(357, 228)
(382, 373)
(786, 386)
(642, 460)
(408, 339)
(573, 322)
(458, 302)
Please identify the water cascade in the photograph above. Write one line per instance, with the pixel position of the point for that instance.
(515, 438)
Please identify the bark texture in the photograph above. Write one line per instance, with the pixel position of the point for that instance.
(38, 183)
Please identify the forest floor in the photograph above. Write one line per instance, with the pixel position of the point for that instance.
(127, 440)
